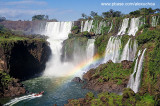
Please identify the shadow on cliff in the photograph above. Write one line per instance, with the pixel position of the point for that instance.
(28, 60)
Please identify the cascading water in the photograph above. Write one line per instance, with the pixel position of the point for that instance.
(126, 51)
(113, 50)
(57, 33)
(114, 47)
(90, 49)
(134, 83)
(129, 50)
(131, 80)
(124, 26)
(155, 20)
(89, 54)
(133, 26)
(138, 74)
(87, 25)
(98, 27)
(111, 27)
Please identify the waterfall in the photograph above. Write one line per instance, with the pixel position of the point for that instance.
(98, 28)
(114, 47)
(57, 33)
(155, 20)
(90, 53)
(134, 83)
(124, 26)
(111, 27)
(88, 57)
(133, 26)
(129, 50)
(126, 51)
(90, 49)
(131, 80)
(113, 50)
(82, 26)
(87, 25)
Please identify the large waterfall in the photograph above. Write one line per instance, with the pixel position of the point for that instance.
(133, 26)
(124, 26)
(57, 33)
(134, 82)
(113, 50)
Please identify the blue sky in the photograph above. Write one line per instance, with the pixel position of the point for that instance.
(63, 10)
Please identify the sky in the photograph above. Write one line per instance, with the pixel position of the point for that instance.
(64, 10)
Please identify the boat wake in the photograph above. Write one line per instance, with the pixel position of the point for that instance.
(27, 97)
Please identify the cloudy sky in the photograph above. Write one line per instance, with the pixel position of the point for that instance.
(63, 10)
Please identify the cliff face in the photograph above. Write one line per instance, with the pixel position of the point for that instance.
(23, 59)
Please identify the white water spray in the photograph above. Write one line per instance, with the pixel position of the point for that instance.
(57, 32)
(16, 100)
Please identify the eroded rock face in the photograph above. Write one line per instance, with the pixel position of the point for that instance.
(23, 59)
(126, 64)
(94, 83)
(10, 87)
(14, 89)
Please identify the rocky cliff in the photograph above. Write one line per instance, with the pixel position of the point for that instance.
(23, 59)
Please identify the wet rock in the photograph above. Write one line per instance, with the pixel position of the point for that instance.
(88, 76)
(77, 79)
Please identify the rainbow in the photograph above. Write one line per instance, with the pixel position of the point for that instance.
(84, 65)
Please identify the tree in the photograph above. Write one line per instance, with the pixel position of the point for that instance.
(117, 14)
(106, 14)
(40, 17)
(151, 11)
(84, 16)
(2, 19)
(111, 11)
(157, 10)
(137, 12)
(93, 14)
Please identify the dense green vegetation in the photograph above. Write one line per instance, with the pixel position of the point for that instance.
(4, 79)
(147, 37)
(129, 98)
(112, 72)
(145, 11)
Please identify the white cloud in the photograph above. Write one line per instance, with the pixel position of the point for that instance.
(29, 2)
(15, 14)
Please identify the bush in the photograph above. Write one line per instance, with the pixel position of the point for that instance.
(74, 28)
(147, 36)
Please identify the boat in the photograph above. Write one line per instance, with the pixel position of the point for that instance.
(38, 94)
